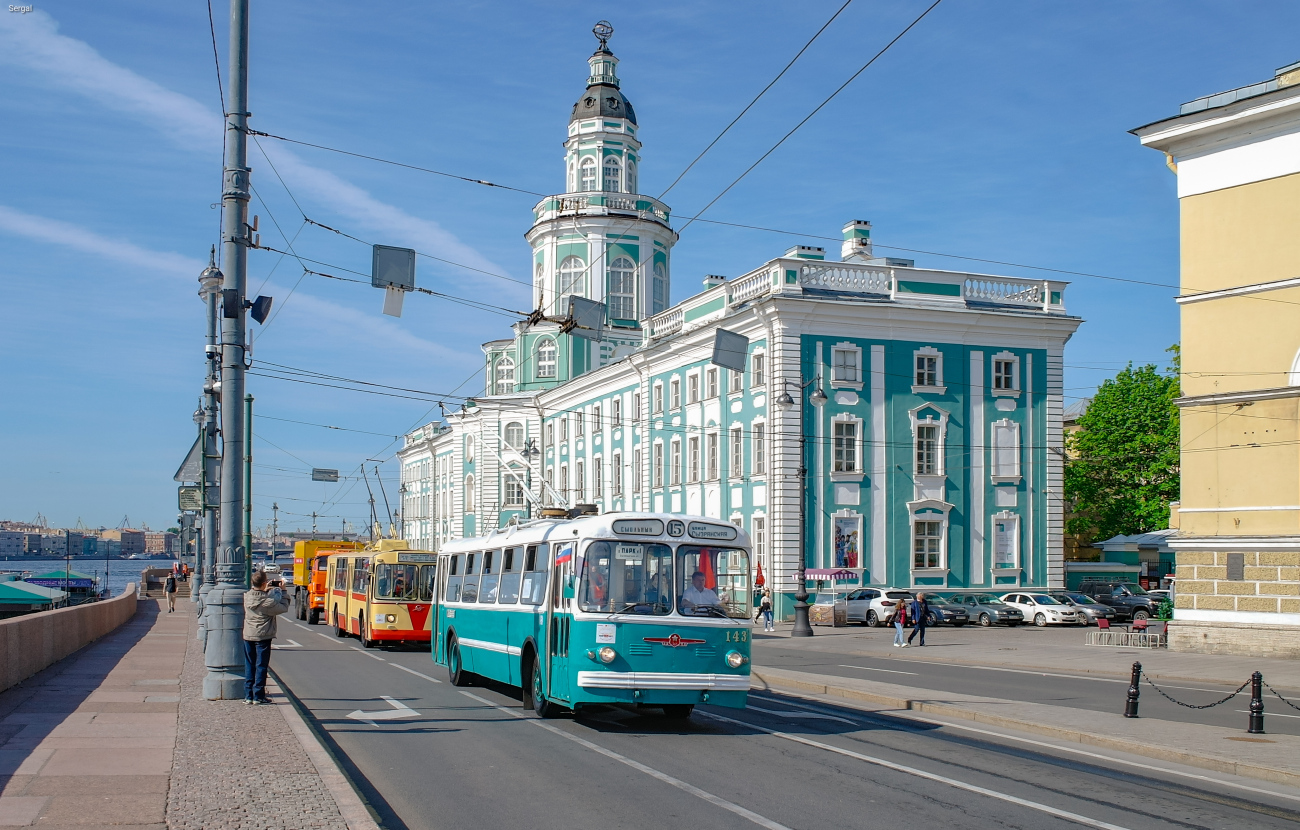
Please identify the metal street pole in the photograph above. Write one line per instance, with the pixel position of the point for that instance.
(802, 627)
(248, 493)
(205, 572)
(225, 604)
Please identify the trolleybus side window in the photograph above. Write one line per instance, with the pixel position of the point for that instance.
(396, 581)
(535, 564)
(627, 578)
(487, 590)
(469, 590)
(455, 575)
(511, 567)
(359, 577)
(428, 574)
(714, 581)
(341, 575)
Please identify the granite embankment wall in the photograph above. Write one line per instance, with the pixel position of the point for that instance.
(31, 642)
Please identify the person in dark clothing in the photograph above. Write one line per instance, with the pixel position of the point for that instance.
(261, 607)
(920, 613)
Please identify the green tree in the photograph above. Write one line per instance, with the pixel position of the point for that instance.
(1123, 469)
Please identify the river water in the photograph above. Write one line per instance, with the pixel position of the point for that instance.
(119, 571)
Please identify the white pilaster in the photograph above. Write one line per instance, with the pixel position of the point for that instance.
(879, 507)
(978, 480)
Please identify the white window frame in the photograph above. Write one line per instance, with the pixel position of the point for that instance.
(579, 480)
(711, 387)
(658, 288)
(657, 461)
(675, 463)
(597, 477)
(505, 363)
(570, 280)
(936, 388)
(550, 434)
(547, 358)
(675, 394)
(657, 399)
(636, 471)
(611, 162)
(469, 495)
(469, 449)
(693, 459)
(564, 429)
(621, 279)
(1014, 360)
(616, 412)
(636, 407)
(616, 474)
(941, 423)
(853, 355)
(1004, 436)
(587, 183)
(856, 473)
(735, 381)
(758, 537)
(758, 369)
(692, 387)
(712, 469)
(595, 419)
(758, 448)
(514, 426)
(579, 423)
(928, 510)
(736, 452)
(513, 487)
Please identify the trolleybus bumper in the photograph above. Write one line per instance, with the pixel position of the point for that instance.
(663, 680)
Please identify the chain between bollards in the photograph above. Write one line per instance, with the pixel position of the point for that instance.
(1131, 704)
(1256, 704)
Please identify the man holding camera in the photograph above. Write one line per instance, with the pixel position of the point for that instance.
(261, 607)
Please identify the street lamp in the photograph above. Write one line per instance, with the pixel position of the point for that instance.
(802, 628)
(530, 452)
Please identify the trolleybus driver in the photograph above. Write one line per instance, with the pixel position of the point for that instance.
(697, 596)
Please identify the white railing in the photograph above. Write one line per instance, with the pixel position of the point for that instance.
(666, 322)
(748, 287)
(844, 277)
(616, 203)
(598, 202)
(1008, 292)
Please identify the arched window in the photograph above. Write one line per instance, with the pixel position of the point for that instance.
(622, 305)
(469, 493)
(631, 176)
(611, 178)
(659, 290)
(515, 435)
(573, 273)
(588, 173)
(505, 376)
(469, 449)
(546, 358)
(573, 176)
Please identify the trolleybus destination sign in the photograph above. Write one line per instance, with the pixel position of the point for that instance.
(639, 527)
(701, 530)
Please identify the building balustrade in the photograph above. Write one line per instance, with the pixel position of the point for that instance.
(598, 203)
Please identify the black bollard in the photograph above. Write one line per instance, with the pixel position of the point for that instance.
(1256, 704)
(1131, 704)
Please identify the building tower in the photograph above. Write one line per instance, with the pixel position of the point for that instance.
(600, 240)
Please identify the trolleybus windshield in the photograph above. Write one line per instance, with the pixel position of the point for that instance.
(404, 582)
(714, 581)
(627, 578)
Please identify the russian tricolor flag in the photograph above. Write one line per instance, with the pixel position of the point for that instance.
(565, 554)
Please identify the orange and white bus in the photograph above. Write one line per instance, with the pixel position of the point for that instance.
(310, 559)
(383, 594)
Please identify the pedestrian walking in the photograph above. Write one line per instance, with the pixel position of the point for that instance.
(920, 614)
(261, 607)
(169, 590)
(765, 609)
(900, 620)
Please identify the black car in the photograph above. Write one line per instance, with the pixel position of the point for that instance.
(1130, 600)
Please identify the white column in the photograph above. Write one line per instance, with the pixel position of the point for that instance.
(1054, 488)
(978, 480)
(818, 449)
(783, 459)
(879, 507)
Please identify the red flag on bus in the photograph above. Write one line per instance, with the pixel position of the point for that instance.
(706, 567)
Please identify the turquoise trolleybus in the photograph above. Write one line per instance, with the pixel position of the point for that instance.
(645, 609)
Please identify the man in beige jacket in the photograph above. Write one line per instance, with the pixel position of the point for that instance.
(260, 610)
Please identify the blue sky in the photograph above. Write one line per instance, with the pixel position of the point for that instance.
(995, 129)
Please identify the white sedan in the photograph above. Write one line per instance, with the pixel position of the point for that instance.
(1042, 609)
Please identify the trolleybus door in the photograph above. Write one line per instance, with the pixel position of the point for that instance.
(558, 620)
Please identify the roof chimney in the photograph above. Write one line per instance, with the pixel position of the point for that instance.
(713, 281)
(806, 252)
(856, 246)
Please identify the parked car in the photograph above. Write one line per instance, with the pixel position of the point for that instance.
(1089, 609)
(1160, 594)
(986, 609)
(1042, 609)
(876, 606)
(1130, 600)
(942, 611)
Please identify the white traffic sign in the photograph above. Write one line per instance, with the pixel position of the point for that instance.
(400, 710)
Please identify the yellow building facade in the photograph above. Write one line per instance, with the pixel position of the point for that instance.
(1237, 158)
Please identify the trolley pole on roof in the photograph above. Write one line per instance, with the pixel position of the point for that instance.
(225, 616)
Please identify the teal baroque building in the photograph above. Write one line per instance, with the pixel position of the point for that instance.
(901, 423)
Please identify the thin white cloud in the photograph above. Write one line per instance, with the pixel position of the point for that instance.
(78, 238)
(32, 42)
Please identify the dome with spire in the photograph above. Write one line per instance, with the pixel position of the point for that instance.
(603, 98)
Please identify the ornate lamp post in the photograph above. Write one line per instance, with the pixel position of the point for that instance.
(802, 628)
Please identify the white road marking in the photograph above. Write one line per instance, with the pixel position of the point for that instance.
(326, 636)
(303, 627)
(368, 654)
(868, 668)
(1145, 765)
(804, 714)
(414, 672)
(750, 815)
(1270, 714)
(929, 776)
(400, 710)
(291, 644)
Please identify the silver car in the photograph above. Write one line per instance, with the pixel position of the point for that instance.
(1089, 609)
(876, 606)
(986, 609)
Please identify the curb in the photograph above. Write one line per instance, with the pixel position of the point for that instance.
(355, 812)
(1134, 747)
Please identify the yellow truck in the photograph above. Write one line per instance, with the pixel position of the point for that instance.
(310, 561)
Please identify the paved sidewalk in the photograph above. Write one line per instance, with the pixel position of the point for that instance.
(1055, 648)
(119, 735)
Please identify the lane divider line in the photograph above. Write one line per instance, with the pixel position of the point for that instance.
(1144, 765)
(326, 636)
(929, 776)
(804, 714)
(869, 668)
(368, 654)
(414, 672)
(718, 801)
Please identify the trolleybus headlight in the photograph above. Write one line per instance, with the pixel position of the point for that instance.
(392, 618)
(607, 654)
(735, 659)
